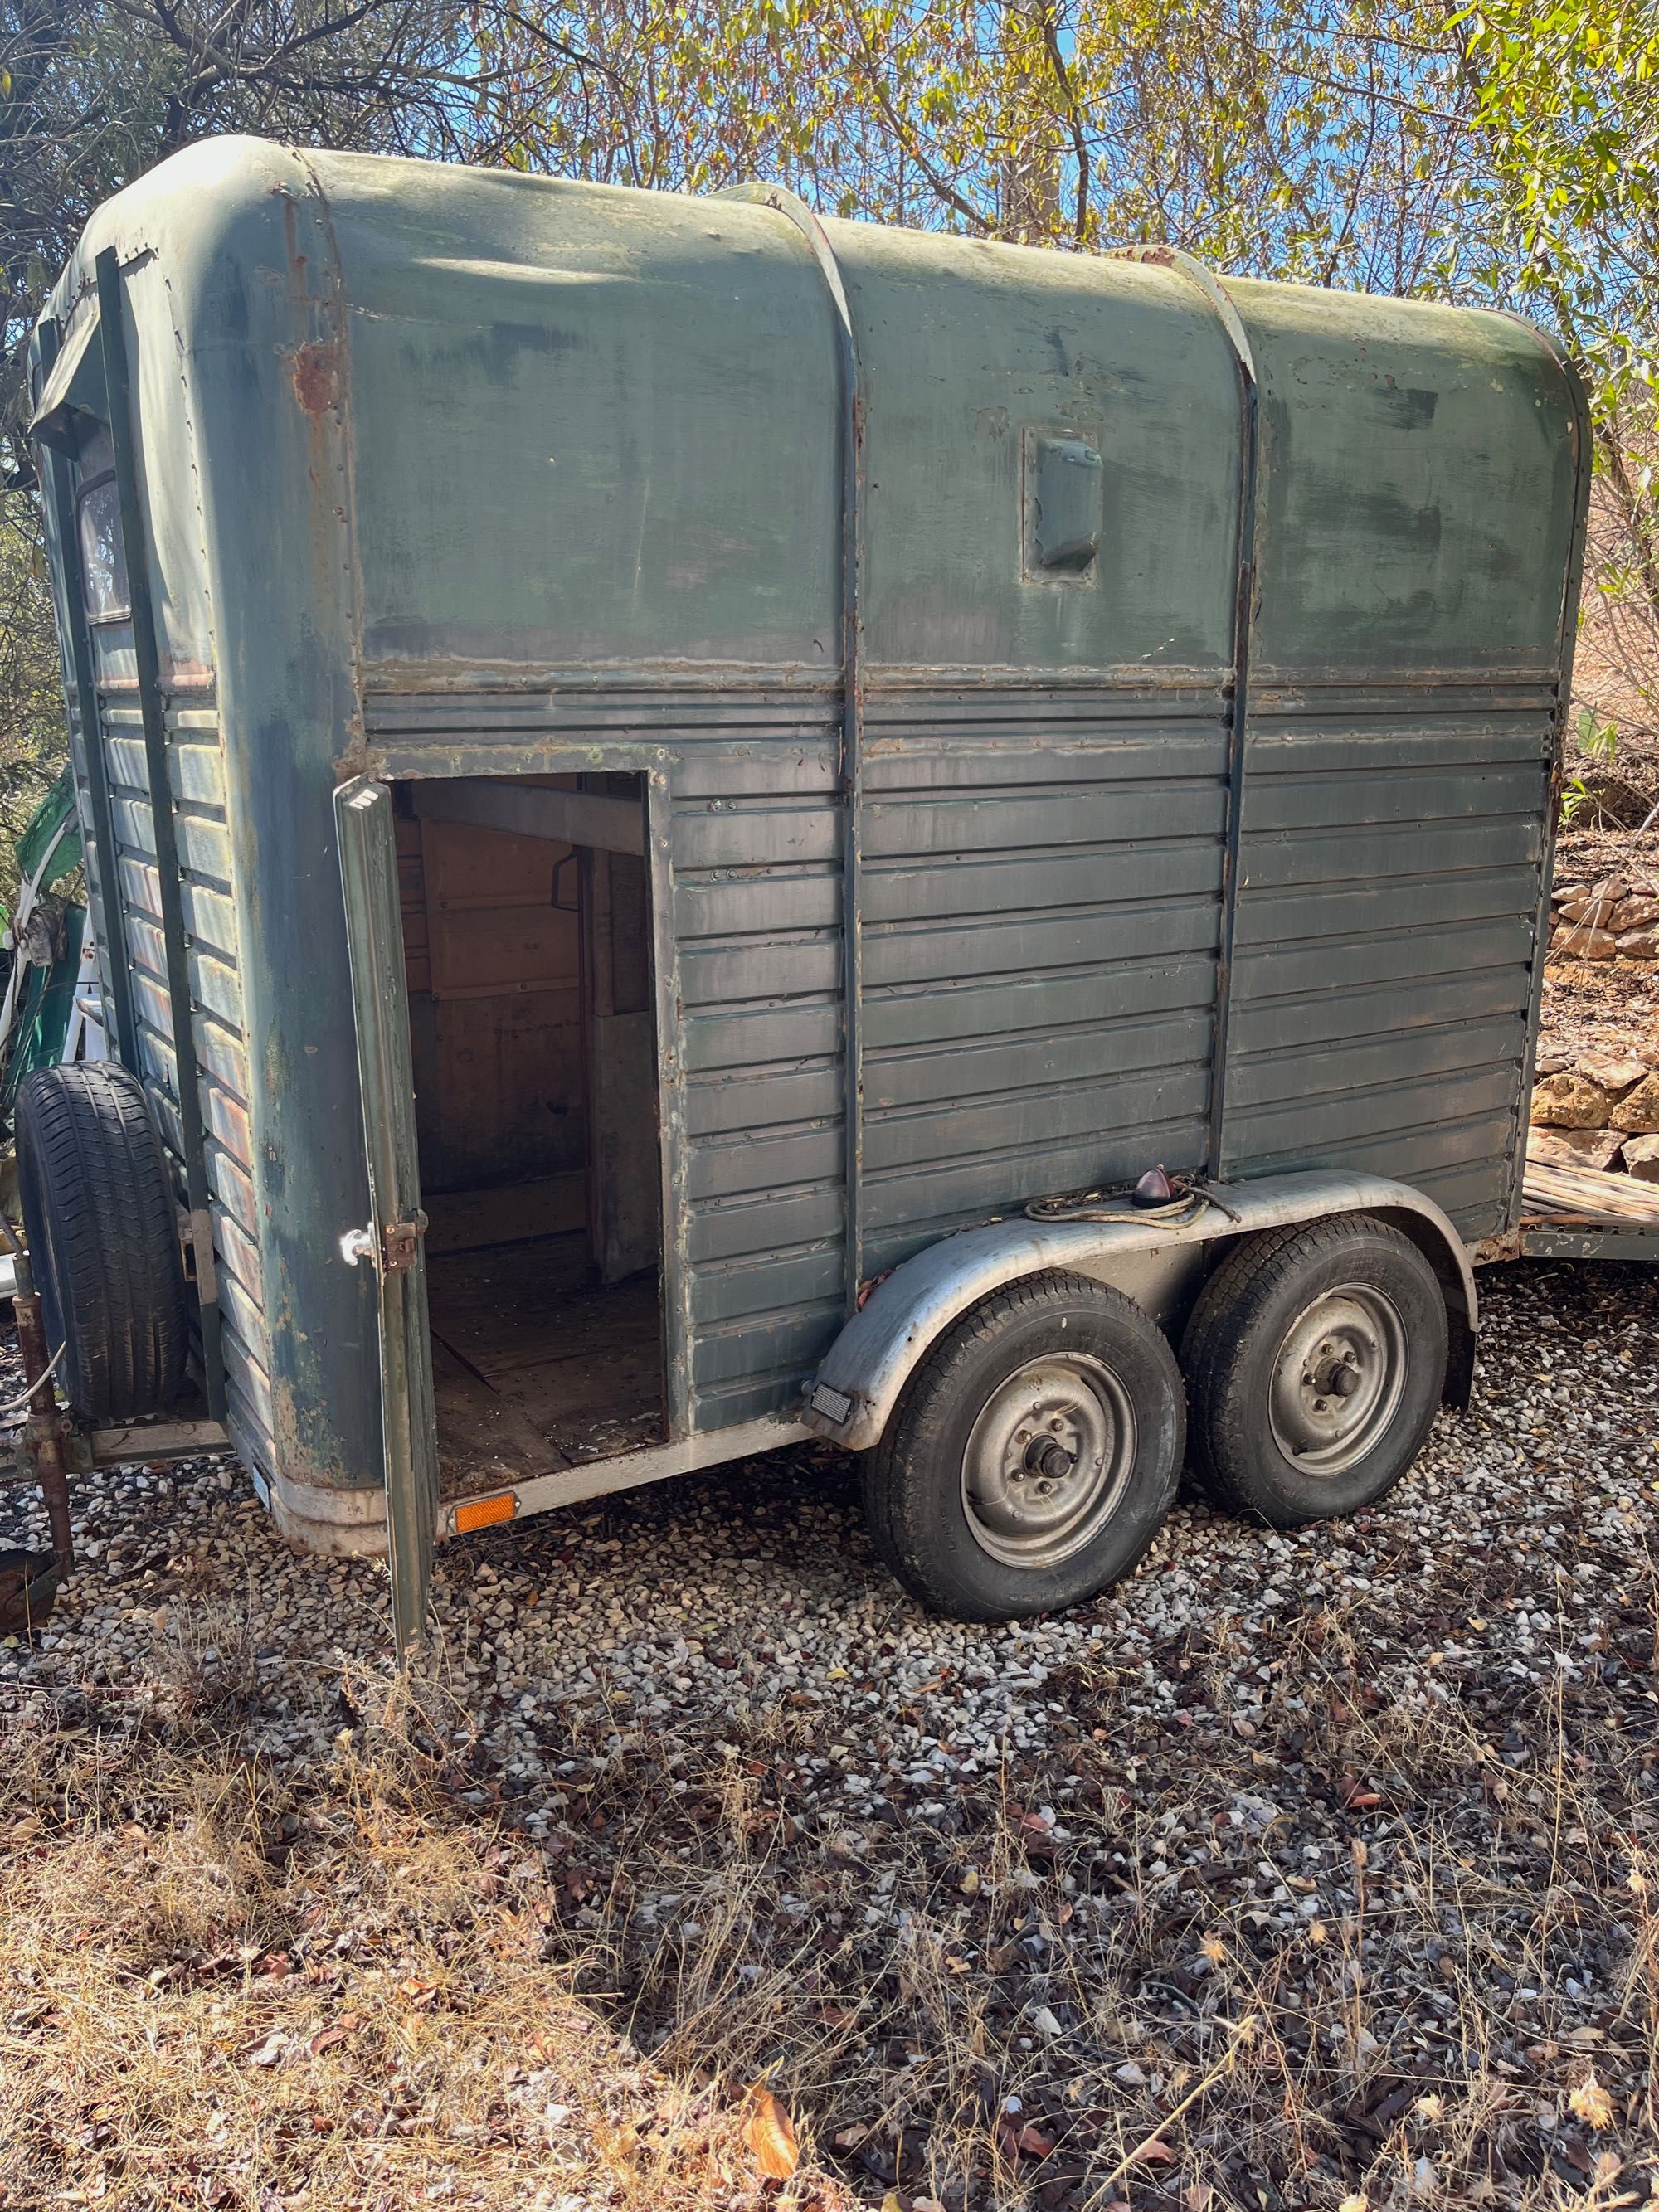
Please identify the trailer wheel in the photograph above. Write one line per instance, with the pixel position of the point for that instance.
(98, 1209)
(1034, 1455)
(1315, 1360)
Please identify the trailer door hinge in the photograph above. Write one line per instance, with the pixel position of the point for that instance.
(401, 1244)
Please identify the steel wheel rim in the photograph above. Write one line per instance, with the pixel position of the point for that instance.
(1339, 1379)
(1024, 1508)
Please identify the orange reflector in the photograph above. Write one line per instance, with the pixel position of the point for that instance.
(485, 1512)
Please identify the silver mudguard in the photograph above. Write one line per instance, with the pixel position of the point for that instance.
(865, 1370)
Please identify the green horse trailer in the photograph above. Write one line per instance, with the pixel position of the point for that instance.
(708, 826)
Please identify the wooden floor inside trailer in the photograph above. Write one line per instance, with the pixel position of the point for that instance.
(535, 1367)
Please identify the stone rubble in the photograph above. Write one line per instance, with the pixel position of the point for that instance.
(1599, 1108)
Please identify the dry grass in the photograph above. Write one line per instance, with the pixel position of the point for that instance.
(1349, 1896)
(355, 1988)
(222, 1991)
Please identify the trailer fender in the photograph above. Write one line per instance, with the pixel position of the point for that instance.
(864, 1370)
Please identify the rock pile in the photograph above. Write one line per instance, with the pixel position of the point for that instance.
(1615, 919)
(1600, 1109)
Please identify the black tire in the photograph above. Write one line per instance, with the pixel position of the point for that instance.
(1080, 1335)
(1264, 1441)
(99, 1208)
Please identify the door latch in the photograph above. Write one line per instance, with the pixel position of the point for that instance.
(400, 1245)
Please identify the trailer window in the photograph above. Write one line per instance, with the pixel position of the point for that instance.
(103, 555)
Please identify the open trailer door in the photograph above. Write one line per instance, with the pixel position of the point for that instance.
(391, 1241)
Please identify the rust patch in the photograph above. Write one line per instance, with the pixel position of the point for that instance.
(1492, 1250)
(317, 376)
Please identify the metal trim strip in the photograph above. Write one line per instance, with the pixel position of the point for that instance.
(1244, 613)
(674, 1143)
(795, 210)
(599, 1478)
(1567, 637)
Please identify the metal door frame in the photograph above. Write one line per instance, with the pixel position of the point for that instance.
(365, 818)
(391, 1241)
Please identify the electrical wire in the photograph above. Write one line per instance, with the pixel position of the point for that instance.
(1096, 1205)
(17, 1405)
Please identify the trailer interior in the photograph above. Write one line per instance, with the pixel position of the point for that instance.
(526, 924)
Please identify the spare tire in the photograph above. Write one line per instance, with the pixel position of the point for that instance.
(103, 1235)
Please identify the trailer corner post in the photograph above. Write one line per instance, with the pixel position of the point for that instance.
(57, 487)
(146, 658)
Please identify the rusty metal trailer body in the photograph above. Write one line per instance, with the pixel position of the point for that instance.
(1017, 718)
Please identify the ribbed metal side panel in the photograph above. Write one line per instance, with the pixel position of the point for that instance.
(756, 861)
(1042, 875)
(1388, 886)
(197, 769)
(1041, 880)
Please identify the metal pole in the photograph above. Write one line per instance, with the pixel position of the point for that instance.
(43, 1439)
(146, 656)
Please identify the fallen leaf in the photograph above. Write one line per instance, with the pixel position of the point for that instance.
(1591, 2103)
(1034, 2142)
(1152, 2152)
(770, 2135)
(268, 2052)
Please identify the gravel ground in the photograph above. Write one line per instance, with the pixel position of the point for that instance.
(1297, 1870)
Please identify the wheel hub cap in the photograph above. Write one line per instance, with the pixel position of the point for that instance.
(1339, 1379)
(1048, 1460)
